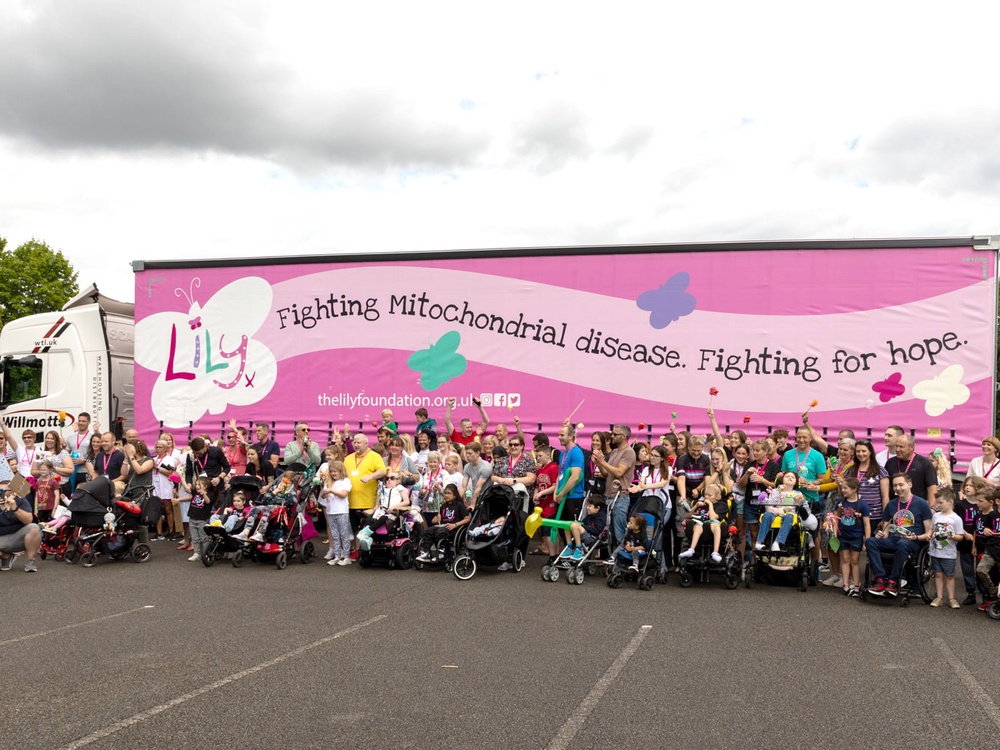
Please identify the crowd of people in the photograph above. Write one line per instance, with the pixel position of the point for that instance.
(874, 501)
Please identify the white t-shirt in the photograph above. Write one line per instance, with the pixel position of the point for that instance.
(336, 506)
(947, 548)
(163, 488)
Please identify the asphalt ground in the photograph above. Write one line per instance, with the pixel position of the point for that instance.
(171, 654)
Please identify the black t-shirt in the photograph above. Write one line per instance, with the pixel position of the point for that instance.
(453, 512)
(595, 524)
(693, 470)
(920, 470)
(9, 522)
(989, 544)
(769, 472)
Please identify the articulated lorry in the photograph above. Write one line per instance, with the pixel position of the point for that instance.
(875, 332)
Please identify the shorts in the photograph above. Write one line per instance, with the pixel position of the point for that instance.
(358, 518)
(15, 542)
(587, 539)
(751, 513)
(944, 565)
(571, 509)
(854, 545)
(738, 507)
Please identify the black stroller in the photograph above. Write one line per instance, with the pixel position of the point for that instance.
(507, 546)
(104, 525)
(222, 542)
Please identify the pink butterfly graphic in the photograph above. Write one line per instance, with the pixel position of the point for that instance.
(889, 388)
(195, 322)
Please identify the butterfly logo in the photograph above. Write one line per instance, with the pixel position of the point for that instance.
(206, 358)
(889, 388)
(440, 362)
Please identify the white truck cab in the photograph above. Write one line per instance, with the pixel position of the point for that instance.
(81, 358)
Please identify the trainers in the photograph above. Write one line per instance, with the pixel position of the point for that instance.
(505, 566)
(242, 536)
(759, 546)
(970, 599)
(258, 537)
(775, 547)
(354, 555)
(878, 588)
(577, 554)
(566, 553)
(30, 566)
(854, 593)
(847, 590)
(160, 537)
(329, 555)
(424, 557)
(953, 603)
(334, 561)
(689, 552)
(938, 601)
(892, 588)
(7, 563)
(344, 561)
(985, 605)
(833, 580)
(634, 567)
(716, 557)
(194, 557)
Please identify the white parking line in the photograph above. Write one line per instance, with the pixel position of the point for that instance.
(573, 724)
(107, 731)
(981, 696)
(74, 625)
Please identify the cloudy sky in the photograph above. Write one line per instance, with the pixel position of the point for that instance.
(219, 129)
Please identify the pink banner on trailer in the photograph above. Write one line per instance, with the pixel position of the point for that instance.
(877, 336)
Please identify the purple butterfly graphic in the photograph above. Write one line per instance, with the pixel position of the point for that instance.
(669, 302)
(195, 322)
(889, 388)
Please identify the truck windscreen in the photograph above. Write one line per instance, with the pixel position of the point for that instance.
(22, 381)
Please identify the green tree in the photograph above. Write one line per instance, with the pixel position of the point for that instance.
(34, 278)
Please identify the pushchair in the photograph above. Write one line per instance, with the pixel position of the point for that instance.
(222, 542)
(507, 546)
(285, 532)
(104, 525)
(651, 508)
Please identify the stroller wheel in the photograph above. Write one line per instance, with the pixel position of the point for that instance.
(281, 560)
(208, 559)
(553, 573)
(70, 556)
(464, 567)
(615, 580)
(646, 583)
(141, 552)
(545, 572)
(804, 579)
(42, 553)
(307, 553)
(732, 580)
(89, 559)
(994, 610)
(237, 558)
(685, 579)
(518, 561)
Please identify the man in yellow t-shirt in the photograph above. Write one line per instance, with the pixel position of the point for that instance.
(364, 468)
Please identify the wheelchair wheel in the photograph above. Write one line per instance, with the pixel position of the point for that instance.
(684, 579)
(518, 561)
(923, 575)
(89, 559)
(732, 579)
(405, 555)
(237, 558)
(994, 610)
(281, 560)
(804, 579)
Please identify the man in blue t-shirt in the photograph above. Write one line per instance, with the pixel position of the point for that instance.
(569, 483)
(807, 463)
(905, 527)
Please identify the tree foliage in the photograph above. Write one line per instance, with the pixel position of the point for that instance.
(34, 278)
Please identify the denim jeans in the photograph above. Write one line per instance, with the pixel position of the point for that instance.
(765, 526)
(902, 549)
(619, 517)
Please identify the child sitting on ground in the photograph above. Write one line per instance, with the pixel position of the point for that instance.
(453, 515)
(946, 531)
(229, 517)
(635, 541)
(586, 533)
(711, 510)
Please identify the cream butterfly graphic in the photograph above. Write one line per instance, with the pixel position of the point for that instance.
(207, 358)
